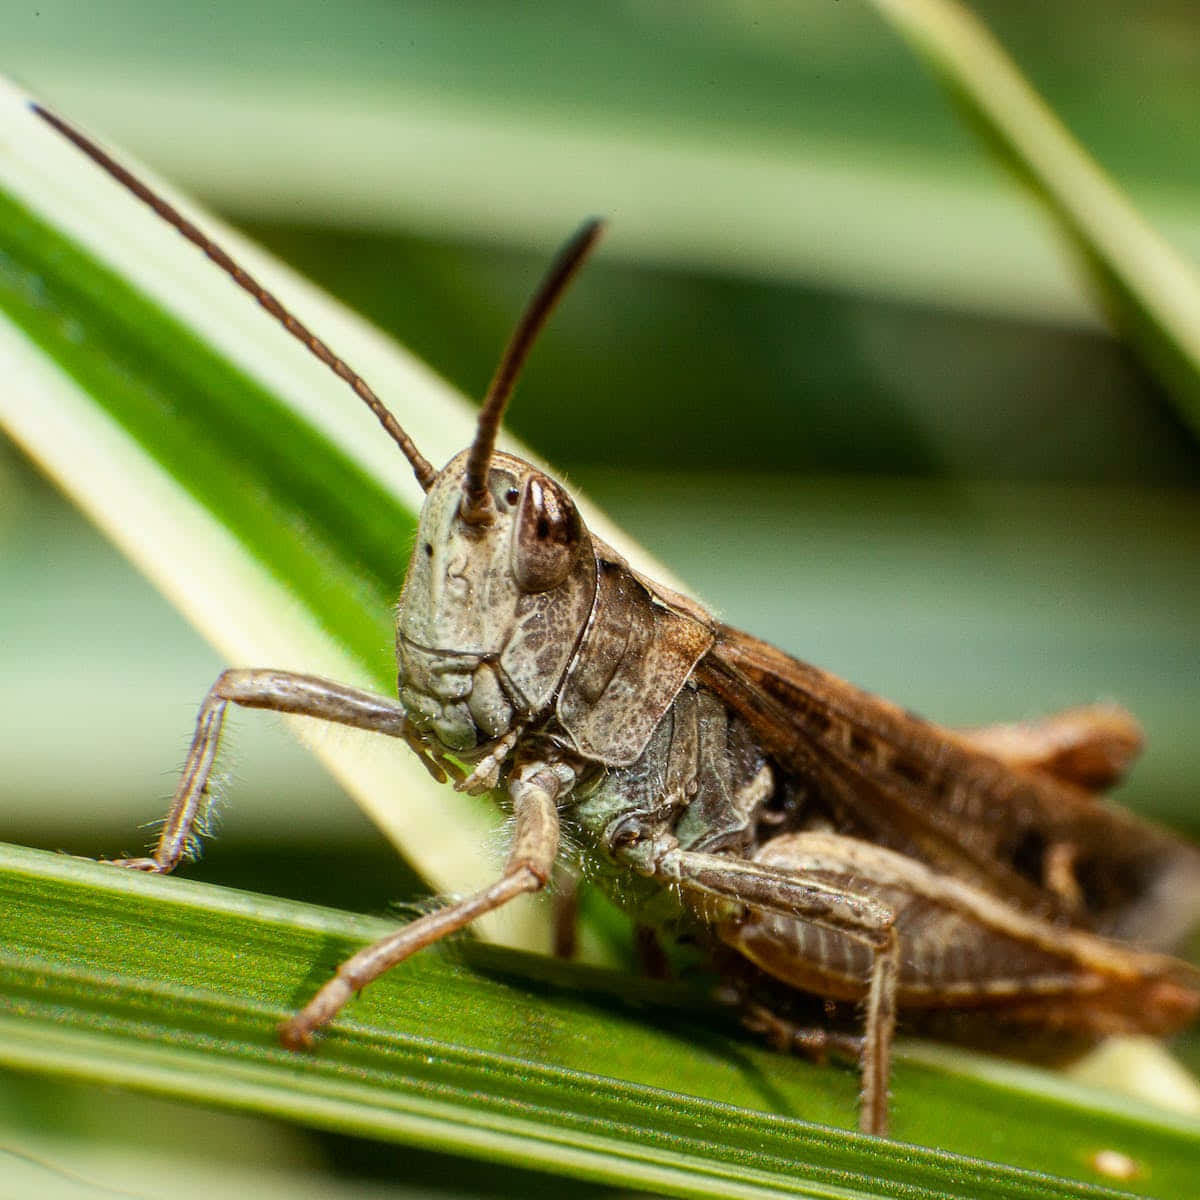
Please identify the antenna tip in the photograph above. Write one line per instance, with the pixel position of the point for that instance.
(591, 231)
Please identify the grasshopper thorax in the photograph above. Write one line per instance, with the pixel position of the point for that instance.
(492, 608)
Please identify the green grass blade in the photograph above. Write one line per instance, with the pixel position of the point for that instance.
(174, 988)
(750, 141)
(1152, 291)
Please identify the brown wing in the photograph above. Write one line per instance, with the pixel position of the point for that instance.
(1037, 841)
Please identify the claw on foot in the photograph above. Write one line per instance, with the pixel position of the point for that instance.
(149, 865)
(295, 1035)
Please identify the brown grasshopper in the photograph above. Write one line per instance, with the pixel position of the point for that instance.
(849, 866)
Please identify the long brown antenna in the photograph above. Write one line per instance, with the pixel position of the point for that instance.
(476, 507)
(421, 466)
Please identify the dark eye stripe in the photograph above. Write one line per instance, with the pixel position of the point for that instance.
(548, 536)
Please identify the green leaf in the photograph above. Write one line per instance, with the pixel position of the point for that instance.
(781, 141)
(1152, 291)
(175, 988)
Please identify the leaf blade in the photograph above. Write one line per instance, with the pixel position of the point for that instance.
(177, 989)
(1153, 293)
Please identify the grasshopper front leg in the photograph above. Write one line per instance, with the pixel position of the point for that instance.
(534, 790)
(279, 691)
(854, 916)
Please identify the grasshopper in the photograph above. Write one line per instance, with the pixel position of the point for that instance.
(848, 866)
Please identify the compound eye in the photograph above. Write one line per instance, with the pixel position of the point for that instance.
(548, 536)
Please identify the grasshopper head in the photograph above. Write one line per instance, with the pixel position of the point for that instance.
(502, 577)
(497, 595)
(503, 574)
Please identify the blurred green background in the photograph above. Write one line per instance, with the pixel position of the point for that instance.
(831, 365)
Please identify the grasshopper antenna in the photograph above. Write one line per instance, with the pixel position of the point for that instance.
(476, 507)
(422, 467)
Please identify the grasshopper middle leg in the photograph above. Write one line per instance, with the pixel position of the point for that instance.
(857, 917)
